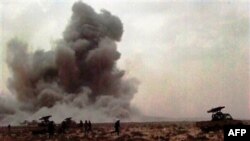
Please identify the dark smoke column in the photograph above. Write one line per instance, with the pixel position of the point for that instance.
(92, 37)
(83, 66)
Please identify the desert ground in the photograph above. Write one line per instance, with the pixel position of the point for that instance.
(147, 131)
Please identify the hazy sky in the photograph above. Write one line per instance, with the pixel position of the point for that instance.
(188, 56)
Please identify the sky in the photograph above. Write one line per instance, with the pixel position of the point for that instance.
(188, 56)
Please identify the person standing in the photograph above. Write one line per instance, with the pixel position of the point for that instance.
(89, 126)
(86, 127)
(9, 129)
(117, 127)
(51, 129)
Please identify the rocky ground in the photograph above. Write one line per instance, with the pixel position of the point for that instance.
(157, 131)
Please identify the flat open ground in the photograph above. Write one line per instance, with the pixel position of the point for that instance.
(155, 131)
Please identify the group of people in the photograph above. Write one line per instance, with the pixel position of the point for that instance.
(87, 126)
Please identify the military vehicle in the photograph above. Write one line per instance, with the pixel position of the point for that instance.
(69, 122)
(44, 121)
(218, 115)
(219, 120)
(66, 124)
(42, 126)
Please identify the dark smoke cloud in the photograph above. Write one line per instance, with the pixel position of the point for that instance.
(81, 72)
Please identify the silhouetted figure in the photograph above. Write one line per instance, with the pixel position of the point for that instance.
(9, 129)
(51, 129)
(63, 127)
(117, 127)
(81, 124)
(89, 126)
(86, 127)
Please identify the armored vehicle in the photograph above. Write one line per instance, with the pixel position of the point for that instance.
(219, 120)
(42, 126)
(218, 115)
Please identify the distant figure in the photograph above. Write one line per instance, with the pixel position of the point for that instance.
(89, 126)
(9, 129)
(63, 127)
(51, 129)
(81, 124)
(86, 127)
(117, 127)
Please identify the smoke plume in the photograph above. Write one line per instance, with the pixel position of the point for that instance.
(79, 76)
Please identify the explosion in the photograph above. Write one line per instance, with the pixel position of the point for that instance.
(80, 73)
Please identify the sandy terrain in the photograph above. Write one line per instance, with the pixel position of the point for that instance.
(161, 131)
